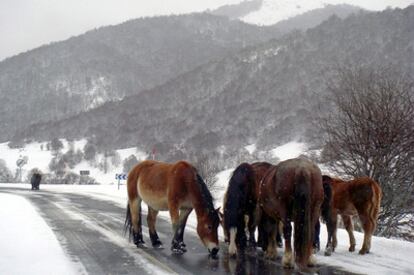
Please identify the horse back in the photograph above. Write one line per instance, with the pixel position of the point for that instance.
(259, 169)
(364, 191)
(353, 196)
(156, 181)
(294, 171)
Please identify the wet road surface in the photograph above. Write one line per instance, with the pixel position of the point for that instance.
(91, 232)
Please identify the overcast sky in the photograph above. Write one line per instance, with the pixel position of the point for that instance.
(26, 24)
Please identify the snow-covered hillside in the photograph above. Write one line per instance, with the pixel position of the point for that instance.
(273, 11)
(39, 157)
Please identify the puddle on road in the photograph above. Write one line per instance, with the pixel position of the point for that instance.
(255, 264)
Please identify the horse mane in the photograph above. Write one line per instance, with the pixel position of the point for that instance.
(207, 199)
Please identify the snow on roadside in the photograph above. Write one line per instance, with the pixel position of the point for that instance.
(27, 244)
(39, 157)
(386, 257)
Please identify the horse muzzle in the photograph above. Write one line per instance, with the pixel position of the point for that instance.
(213, 252)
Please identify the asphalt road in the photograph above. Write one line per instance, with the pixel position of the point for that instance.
(91, 232)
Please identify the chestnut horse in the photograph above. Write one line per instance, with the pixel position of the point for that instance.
(292, 191)
(177, 188)
(362, 197)
(240, 203)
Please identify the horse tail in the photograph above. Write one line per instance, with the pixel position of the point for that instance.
(132, 190)
(327, 202)
(302, 219)
(128, 223)
(375, 202)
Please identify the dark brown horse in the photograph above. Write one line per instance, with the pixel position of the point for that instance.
(176, 188)
(362, 197)
(239, 206)
(292, 191)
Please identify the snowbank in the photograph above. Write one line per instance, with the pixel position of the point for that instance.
(28, 245)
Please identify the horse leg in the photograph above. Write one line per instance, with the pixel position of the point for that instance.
(315, 230)
(241, 235)
(369, 228)
(135, 208)
(259, 223)
(316, 240)
(252, 228)
(151, 220)
(287, 260)
(331, 223)
(232, 244)
(279, 231)
(270, 238)
(184, 213)
(175, 220)
(350, 229)
(334, 229)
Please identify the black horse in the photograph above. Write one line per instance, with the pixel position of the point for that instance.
(35, 181)
(237, 205)
(326, 218)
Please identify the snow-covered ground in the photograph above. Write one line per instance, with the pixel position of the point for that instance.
(386, 257)
(28, 245)
(38, 157)
(273, 11)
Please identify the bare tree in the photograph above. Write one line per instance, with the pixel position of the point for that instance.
(370, 132)
(207, 168)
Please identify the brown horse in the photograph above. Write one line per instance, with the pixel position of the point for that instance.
(292, 191)
(362, 197)
(177, 188)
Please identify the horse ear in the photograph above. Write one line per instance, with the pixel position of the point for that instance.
(326, 179)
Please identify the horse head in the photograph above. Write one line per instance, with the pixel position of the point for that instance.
(207, 228)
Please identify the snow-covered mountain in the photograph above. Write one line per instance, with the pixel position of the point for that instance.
(274, 11)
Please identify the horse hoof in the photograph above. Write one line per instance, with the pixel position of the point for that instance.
(141, 245)
(288, 266)
(312, 261)
(177, 251)
(352, 248)
(213, 256)
(270, 256)
(252, 244)
(158, 246)
(363, 252)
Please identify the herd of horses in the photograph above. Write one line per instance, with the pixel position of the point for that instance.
(260, 196)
